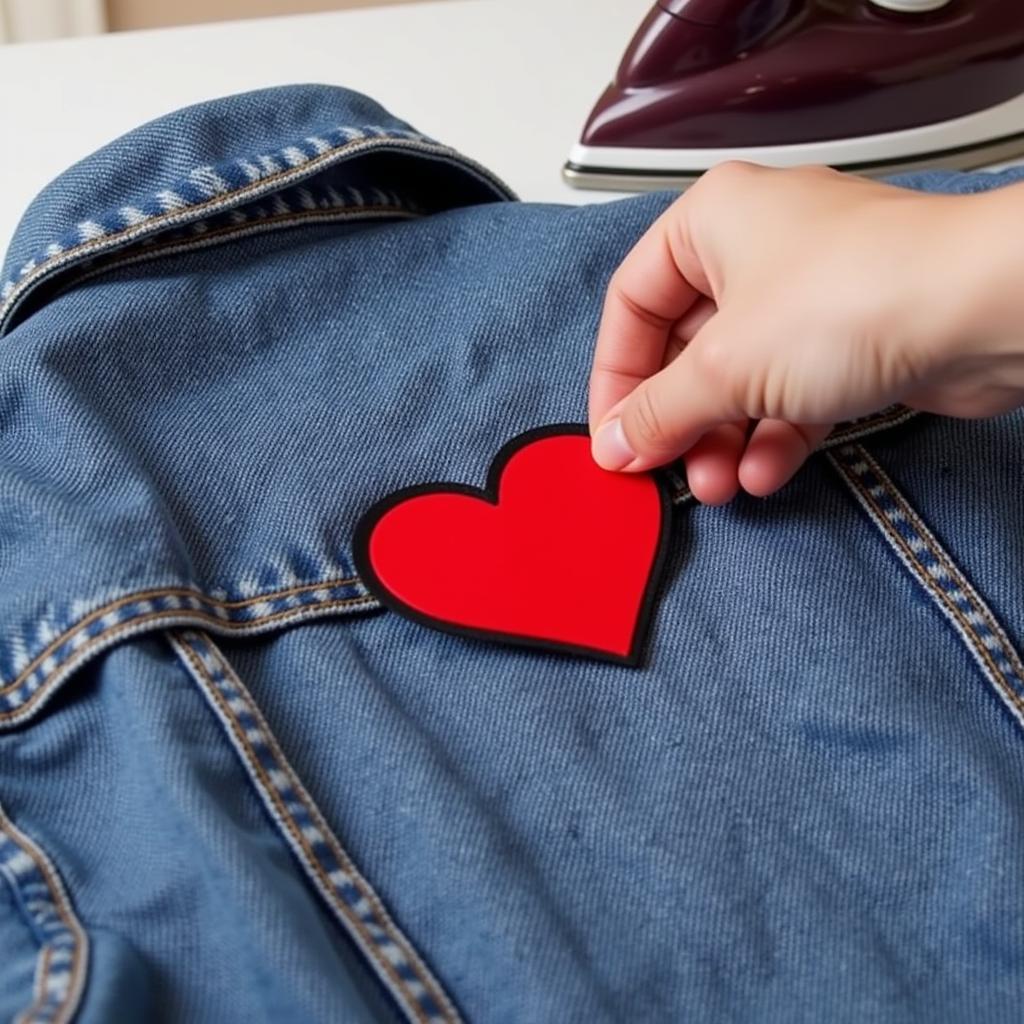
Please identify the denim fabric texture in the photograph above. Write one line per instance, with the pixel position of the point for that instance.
(234, 789)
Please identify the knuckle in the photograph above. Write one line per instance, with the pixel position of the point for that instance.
(634, 308)
(901, 365)
(714, 358)
(648, 421)
(731, 373)
(729, 173)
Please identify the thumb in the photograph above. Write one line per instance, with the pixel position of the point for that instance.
(664, 416)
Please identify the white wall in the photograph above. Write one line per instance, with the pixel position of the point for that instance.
(27, 20)
(131, 14)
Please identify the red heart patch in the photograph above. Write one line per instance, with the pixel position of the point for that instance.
(554, 552)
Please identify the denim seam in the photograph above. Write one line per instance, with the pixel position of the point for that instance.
(352, 899)
(919, 550)
(194, 598)
(864, 426)
(63, 958)
(129, 223)
(134, 614)
(231, 233)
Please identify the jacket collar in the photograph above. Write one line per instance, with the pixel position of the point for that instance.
(220, 157)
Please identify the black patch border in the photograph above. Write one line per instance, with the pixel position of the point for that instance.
(489, 493)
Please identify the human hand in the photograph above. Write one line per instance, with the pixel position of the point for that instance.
(799, 298)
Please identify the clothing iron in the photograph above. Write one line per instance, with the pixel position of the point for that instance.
(867, 86)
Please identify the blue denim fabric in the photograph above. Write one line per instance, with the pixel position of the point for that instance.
(233, 789)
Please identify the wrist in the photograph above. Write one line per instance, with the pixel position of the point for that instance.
(983, 276)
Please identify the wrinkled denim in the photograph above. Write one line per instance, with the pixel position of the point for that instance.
(243, 324)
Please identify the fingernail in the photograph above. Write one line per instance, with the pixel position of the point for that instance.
(610, 448)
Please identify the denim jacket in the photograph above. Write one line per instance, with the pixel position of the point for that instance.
(234, 788)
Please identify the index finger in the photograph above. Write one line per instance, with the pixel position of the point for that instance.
(646, 296)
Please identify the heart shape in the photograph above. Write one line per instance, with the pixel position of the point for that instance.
(554, 552)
